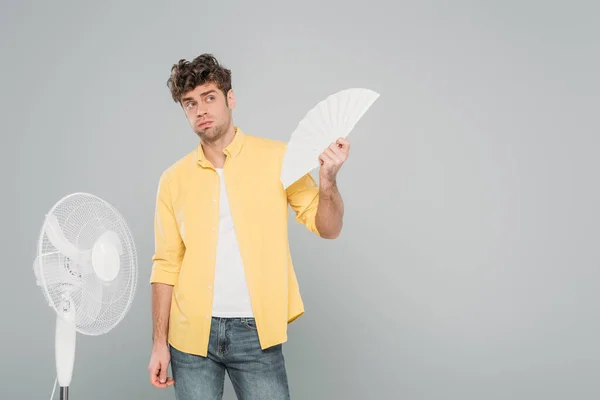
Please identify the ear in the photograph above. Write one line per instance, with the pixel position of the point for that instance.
(231, 98)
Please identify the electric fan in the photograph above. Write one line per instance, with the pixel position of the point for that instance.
(330, 119)
(86, 266)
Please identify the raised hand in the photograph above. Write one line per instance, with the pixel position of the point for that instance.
(332, 159)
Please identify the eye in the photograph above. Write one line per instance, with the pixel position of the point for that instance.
(210, 98)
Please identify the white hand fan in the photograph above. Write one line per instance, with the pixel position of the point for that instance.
(329, 120)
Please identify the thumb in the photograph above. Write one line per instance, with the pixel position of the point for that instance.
(163, 373)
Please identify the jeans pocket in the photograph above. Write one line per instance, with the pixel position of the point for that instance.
(249, 323)
(181, 358)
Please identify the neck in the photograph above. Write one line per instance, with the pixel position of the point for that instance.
(213, 150)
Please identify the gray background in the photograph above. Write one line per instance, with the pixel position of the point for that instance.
(468, 265)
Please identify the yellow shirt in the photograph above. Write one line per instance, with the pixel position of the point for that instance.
(186, 232)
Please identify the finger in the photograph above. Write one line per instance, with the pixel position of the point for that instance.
(337, 151)
(340, 149)
(163, 374)
(330, 154)
(343, 143)
(334, 146)
(153, 370)
(325, 158)
(156, 382)
(336, 158)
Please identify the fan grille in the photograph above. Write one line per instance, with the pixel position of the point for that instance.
(83, 219)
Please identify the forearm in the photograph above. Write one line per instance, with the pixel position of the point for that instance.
(330, 211)
(161, 308)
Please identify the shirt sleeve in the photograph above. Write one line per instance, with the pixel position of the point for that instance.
(303, 197)
(169, 246)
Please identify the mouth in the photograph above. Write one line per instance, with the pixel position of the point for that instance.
(204, 124)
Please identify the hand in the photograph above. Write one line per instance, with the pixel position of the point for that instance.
(332, 159)
(159, 363)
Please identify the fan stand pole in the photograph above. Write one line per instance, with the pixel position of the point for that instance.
(65, 347)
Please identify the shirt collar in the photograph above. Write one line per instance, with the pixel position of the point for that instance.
(232, 150)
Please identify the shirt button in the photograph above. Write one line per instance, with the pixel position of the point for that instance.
(214, 200)
(213, 229)
(210, 287)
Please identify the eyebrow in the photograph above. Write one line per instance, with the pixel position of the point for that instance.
(201, 95)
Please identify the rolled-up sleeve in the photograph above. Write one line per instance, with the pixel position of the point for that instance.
(168, 244)
(303, 197)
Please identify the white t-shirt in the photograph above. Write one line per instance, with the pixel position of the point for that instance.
(231, 296)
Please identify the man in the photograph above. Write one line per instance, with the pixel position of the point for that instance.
(223, 282)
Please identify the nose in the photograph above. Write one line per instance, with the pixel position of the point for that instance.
(200, 111)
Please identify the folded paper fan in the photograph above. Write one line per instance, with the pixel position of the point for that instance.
(329, 120)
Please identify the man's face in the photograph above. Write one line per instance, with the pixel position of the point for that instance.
(207, 111)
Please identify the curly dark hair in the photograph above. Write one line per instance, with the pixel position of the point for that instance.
(186, 75)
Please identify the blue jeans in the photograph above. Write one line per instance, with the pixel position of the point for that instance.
(234, 348)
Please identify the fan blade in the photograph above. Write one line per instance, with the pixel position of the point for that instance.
(50, 270)
(90, 298)
(37, 271)
(58, 239)
(110, 237)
